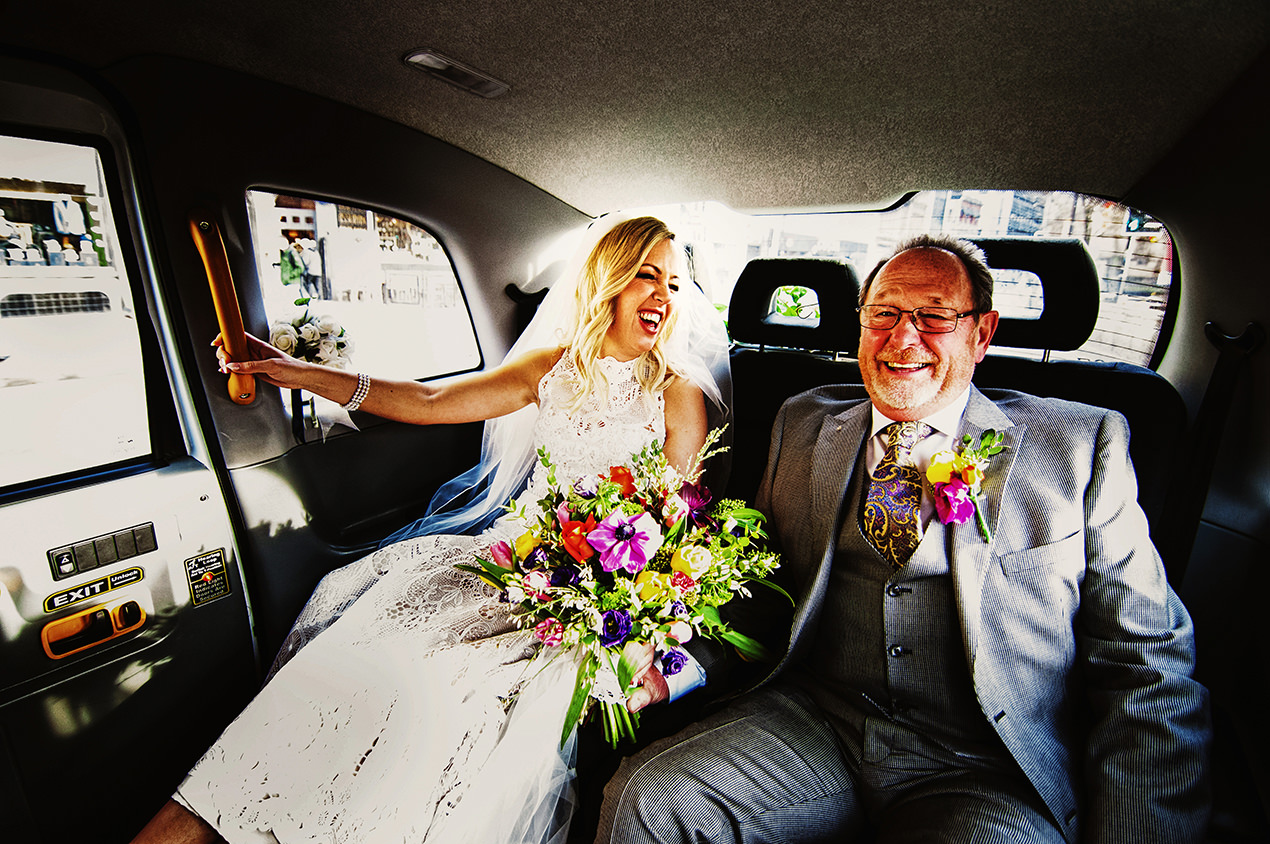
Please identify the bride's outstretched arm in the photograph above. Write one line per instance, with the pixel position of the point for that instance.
(474, 398)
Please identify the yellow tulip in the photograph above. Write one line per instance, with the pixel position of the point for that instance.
(941, 467)
(650, 583)
(525, 545)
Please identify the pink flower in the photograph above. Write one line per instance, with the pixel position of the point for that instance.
(674, 511)
(550, 632)
(502, 554)
(682, 581)
(626, 541)
(538, 582)
(953, 502)
(680, 631)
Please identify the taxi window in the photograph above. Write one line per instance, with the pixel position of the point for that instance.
(71, 376)
(380, 290)
(1132, 251)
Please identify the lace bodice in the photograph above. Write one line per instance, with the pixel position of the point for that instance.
(598, 435)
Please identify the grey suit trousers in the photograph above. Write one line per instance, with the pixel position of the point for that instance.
(768, 768)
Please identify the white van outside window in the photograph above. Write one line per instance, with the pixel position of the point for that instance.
(72, 384)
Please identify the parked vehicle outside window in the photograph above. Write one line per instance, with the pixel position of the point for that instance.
(71, 378)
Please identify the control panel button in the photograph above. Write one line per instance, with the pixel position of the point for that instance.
(86, 555)
(106, 552)
(89, 554)
(144, 536)
(63, 560)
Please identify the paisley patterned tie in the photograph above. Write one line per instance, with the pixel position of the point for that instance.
(893, 504)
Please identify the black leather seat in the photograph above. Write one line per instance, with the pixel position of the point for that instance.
(775, 357)
(1071, 292)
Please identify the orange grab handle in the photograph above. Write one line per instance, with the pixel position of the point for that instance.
(211, 248)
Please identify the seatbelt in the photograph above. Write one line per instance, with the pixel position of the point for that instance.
(1187, 505)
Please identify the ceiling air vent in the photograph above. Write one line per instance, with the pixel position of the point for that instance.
(457, 73)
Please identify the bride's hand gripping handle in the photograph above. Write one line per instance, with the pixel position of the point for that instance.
(211, 248)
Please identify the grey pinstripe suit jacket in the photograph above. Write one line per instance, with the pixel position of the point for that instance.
(1081, 653)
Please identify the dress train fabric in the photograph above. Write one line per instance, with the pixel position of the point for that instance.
(408, 707)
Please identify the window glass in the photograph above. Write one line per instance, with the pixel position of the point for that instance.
(71, 378)
(386, 283)
(1132, 251)
(797, 303)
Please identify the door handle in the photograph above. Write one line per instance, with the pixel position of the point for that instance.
(90, 627)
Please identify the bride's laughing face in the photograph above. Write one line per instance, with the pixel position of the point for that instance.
(641, 310)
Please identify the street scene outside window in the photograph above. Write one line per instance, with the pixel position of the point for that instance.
(381, 291)
(71, 378)
(1133, 253)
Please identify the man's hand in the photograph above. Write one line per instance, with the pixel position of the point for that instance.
(652, 686)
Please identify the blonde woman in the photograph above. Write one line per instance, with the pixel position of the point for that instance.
(396, 724)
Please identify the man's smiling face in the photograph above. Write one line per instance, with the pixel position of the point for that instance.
(910, 374)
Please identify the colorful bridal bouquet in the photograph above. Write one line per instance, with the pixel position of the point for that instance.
(957, 478)
(639, 554)
(316, 339)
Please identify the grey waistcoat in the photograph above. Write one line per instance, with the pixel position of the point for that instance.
(888, 644)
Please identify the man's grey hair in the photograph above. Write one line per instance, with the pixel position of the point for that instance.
(971, 258)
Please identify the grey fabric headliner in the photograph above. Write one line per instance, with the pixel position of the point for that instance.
(818, 104)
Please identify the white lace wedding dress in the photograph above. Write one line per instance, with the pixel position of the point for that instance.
(418, 715)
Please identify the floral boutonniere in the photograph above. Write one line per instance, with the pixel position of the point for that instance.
(957, 477)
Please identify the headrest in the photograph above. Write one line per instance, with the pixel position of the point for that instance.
(750, 317)
(1069, 287)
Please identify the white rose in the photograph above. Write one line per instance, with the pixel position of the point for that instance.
(309, 333)
(331, 356)
(327, 325)
(283, 337)
(681, 631)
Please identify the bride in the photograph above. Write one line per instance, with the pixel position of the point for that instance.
(405, 705)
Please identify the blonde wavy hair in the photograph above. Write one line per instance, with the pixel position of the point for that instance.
(611, 266)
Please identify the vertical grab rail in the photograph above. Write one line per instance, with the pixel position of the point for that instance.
(211, 248)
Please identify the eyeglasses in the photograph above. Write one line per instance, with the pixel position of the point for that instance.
(927, 320)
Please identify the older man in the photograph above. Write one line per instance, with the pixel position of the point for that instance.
(998, 657)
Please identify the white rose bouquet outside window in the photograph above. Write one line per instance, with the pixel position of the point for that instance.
(315, 339)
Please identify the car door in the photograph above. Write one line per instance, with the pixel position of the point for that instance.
(125, 634)
(222, 515)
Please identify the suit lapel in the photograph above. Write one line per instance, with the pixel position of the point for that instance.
(970, 555)
(833, 463)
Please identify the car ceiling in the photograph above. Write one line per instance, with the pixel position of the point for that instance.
(818, 104)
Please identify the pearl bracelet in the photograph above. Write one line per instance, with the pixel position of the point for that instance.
(359, 395)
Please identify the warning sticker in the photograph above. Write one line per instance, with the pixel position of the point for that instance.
(208, 578)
